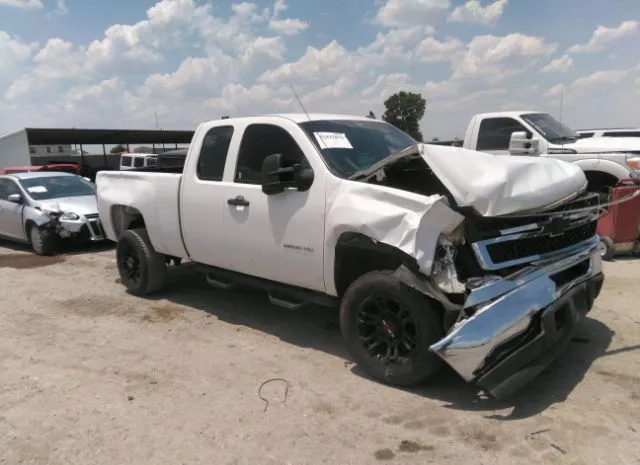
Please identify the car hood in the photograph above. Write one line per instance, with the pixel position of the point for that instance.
(495, 185)
(83, 205)
(599, 144)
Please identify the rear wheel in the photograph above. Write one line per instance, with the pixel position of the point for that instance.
(607, 248)
(142, 269)
(388, 328)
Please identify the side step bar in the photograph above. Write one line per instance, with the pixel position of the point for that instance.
(282, 295)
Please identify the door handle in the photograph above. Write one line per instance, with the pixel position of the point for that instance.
(239, 201)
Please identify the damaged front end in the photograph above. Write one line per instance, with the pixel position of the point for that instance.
(70, 225)
(514, 271)
(524, 282)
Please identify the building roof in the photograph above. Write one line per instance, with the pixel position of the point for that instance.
(68, 136)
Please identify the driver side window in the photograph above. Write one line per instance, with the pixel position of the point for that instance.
(8, 187)
(258, 142)
(495, 133)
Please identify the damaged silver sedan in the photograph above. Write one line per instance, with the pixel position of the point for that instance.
(45, 208)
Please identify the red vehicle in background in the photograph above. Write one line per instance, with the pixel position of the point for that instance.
(72, 168)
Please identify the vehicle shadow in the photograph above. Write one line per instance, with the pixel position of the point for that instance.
(67, 248)
(318, 328)
(311, 326)
(590, 342)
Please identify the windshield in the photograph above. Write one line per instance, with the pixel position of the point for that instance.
(55, 187)
(550, 128)
(349, 146)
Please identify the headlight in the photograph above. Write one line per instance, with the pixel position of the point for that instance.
(69, 217)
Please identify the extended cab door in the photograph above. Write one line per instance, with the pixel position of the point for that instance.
(276, 237)
(202, 196)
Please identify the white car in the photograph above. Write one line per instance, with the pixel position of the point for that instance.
(41, 208)
(626, 132)
(432, 253)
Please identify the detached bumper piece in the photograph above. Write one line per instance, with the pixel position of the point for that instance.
(521, 323)
(546, 339)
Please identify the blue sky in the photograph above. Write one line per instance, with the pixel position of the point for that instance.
(189, 60)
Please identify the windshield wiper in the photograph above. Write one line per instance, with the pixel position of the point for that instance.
(565, 139)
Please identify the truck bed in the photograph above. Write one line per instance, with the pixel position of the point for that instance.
(153, 193)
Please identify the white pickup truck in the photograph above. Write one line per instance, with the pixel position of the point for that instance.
(432, 253)
(604, 160)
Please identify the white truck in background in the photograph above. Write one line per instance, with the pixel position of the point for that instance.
(431, 253)
(604, 160)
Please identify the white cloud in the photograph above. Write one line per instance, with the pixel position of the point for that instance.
(559, 65)
(603, 36)
(61, 7)
(288, 26)
(322, 66)
(473, 12)
(23, 4)
(500, 57)
(612, 76)
(13, 52)
(406, 13)
(431, 51)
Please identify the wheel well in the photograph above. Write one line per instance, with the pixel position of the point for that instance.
(124, 217)
(357, 254)
(600, 182)
(27, 228)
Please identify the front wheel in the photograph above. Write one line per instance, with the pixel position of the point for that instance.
(388, 328)
(43, 241)
(142, 269)
(607, 248)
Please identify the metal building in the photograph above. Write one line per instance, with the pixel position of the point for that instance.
(40, 146)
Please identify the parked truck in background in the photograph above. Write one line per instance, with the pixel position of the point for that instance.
(604, 160)
(431, 253)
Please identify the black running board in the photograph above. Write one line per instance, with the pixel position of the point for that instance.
(282, 295)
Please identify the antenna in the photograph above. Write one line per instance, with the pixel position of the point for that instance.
(561, 103)
(300, 103)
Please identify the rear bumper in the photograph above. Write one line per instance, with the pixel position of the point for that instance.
(523, 322)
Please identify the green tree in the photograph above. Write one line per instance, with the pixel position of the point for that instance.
(405, 110)
(435, 139)
(119, 148)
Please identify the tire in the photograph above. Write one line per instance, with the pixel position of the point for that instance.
(361, 300)
(43, 241)
(608, 248)
(142, 269)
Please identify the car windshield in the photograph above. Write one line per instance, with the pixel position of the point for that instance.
(55, 187)
(550, 128)
(349, 146)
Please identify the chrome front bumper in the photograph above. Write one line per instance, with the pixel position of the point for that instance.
(512, 312)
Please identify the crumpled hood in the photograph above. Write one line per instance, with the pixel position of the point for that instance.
(496, 185)
(83, 205)
(605, 144)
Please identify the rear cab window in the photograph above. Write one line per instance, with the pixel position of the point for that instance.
(138, 162)
(125, 160)
(213, 153)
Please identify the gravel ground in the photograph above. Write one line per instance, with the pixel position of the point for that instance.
(92, 375)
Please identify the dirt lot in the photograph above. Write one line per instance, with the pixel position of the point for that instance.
(91, 375)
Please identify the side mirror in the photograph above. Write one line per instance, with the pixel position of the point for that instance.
(523, 143)
(276, 177)
(15, 198)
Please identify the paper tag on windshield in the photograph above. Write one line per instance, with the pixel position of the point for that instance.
(333, 140)
(37, 189)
